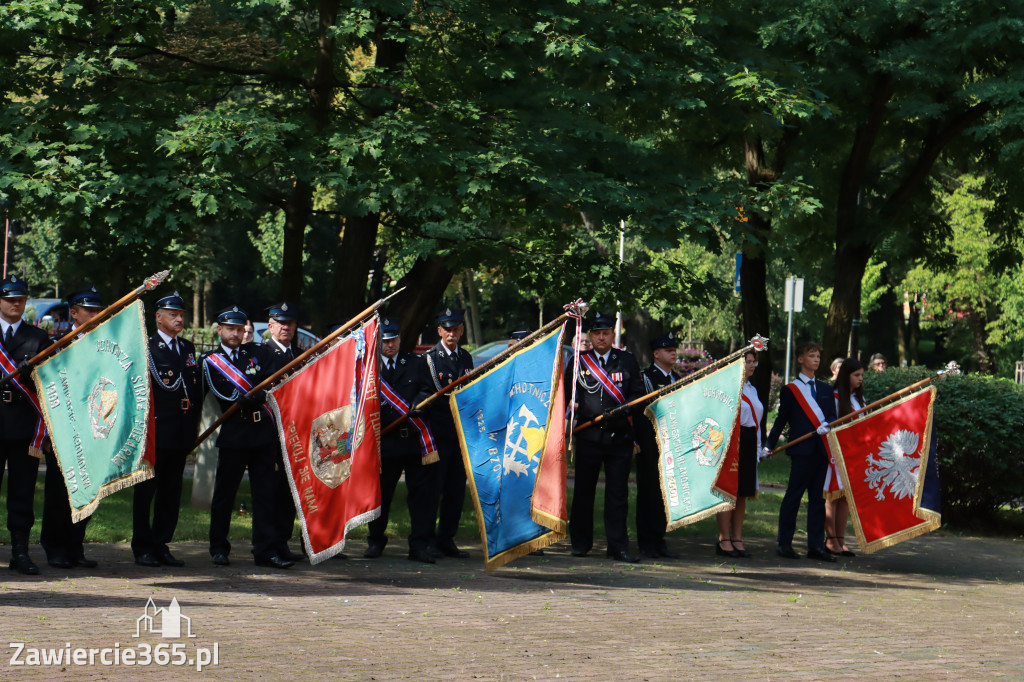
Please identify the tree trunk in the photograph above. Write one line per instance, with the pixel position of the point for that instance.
(208, 308)
(416, 306)
(754, 303)
(474, 309)
(352, 264)
(850, 263)
(297, 210)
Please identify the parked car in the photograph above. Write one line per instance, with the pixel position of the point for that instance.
(50, 314)
(303, 341)
(487, 351)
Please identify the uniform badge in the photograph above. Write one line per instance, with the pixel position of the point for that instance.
(284, 307)
(190, 361)
(170, 373)
(617, 377)
(402, 361)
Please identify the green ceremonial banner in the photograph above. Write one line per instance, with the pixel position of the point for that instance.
(694, 426)
(95, 396)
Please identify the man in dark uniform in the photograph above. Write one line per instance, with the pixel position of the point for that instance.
(178, 403)
(62, 540)
(19, 420)
(248, 439)
(607, 378)
(279, 350)
(650, 505)
(403, 380)
(446, 362)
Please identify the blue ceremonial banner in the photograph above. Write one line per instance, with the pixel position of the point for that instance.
(510, 420)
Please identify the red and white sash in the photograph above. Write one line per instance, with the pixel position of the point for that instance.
(233, 375)
(427, 445)
(602, 378)
(9, 366)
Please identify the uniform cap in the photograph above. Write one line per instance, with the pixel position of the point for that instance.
(233, 315)
(171, 301)
(664, 341)
(450, 317)
(602, 321)
(390, 329)
(282, 312)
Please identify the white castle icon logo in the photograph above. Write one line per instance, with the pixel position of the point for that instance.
(165, 622)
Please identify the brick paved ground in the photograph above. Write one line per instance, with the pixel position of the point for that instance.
(938, 606)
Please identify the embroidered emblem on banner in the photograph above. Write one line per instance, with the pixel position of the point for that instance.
(102, 407)
(523, 439)
(707, 439)
(331, 442)
(895, 468)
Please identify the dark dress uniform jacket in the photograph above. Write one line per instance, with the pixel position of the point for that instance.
(409, 379)
(653, 379)
(176, 378)
(624, 370)
(242, 430)
(443, 370)
(18, 417)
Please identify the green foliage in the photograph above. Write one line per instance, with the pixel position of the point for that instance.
(977, 423)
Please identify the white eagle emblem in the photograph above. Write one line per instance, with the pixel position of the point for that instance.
(895, 468)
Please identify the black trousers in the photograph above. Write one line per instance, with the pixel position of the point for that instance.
(650, 505)
(231, 466)
(617, 460)
(449, 491)
(60, 537)
(158, 499)
(806, 473)
(22, 470)
(284, 505)
(419, 481)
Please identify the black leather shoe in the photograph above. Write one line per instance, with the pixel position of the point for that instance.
(373, 551)
(82, 562)
(537, 552)
(340, 557)
(291, 556)
(421, 555)
(721, 551)
(22, 563)
(167, 559)
(273, 561)
(59, 561)
(743, 552)
(820, 554)
(650, 552)
(623, 555)
(663, 551)
(434, 552)
(786, 552)
(221, 559)
(147, 559)
(454, 552)
(579, 552)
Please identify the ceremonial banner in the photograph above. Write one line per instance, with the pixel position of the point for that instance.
(328, 417)
(95, 397)
(881, 458)
(727, 484)
(694, 427)
(511, 425)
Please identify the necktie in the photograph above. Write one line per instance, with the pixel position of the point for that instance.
(9, 336)
(814, 393)
(603, 363)
(234, 356)
(174, 346)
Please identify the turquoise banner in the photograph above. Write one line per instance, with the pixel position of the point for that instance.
(694, 426)
(95, 396)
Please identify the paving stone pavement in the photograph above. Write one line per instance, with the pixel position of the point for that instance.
(936, 607)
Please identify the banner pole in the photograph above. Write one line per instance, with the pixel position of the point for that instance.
(301, 359)
(951, 368)
(523, 343)
(758, 343)
(150, 283)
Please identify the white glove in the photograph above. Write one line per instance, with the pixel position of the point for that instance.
(763, 454)
(823, 429)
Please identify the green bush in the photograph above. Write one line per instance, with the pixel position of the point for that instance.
(979, 422)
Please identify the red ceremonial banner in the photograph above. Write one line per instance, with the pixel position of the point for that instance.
(329, 424)
(550, 498)
(728, 482)
(882, 459)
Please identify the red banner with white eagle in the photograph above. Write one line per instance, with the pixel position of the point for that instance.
(329, 423)
(887, 464)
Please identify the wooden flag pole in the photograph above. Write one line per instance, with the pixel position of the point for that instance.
(951, 368)
(64, 341)
(523, 343)
(295, 362)
(758, 343)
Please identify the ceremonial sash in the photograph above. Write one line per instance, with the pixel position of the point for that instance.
(753, 412)
(832, 489)
(233, 375)
(427, 445)
(9, 366)
(603, 378)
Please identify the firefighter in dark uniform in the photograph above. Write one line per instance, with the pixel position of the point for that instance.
(19, 420)
(178, 403)
(608, 443)
(401, 450)
(278, 351)
(650, 505)
(246, 440)
(62, 540)
(446, 362)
